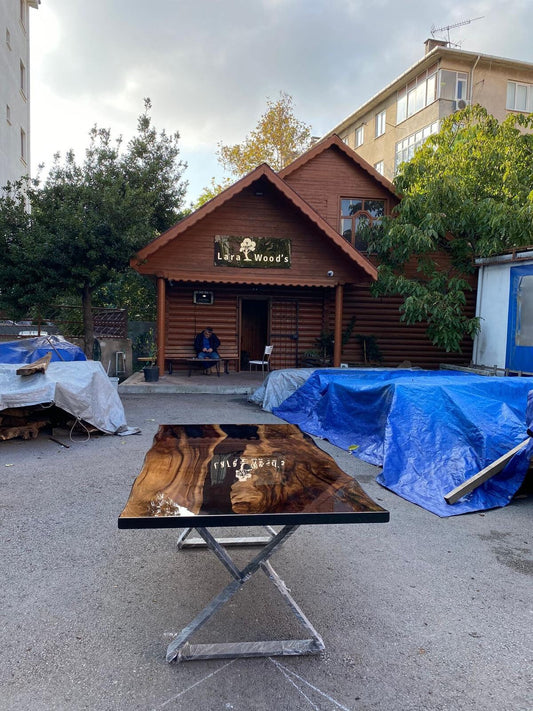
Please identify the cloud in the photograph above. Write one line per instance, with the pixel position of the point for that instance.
(209, 65)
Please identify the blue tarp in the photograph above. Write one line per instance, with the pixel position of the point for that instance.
(28, 350)
(428, 430)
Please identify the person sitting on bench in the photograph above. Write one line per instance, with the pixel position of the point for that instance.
(206, 344)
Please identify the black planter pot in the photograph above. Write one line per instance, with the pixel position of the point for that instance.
(151, 373)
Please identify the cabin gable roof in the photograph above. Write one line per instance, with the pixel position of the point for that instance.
(261, 173)
(333, 142)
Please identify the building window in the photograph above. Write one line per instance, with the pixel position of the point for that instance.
(359, 136)
(380, 123)
(453, 86)
(418, 94)
(23, 146)
(380, 167)
(356, 212)
(405, 149)
(8, 39)
(8, 114)
(519, 96)
(22, 78)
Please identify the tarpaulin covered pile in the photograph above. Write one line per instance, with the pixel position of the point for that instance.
(429, 431)
(278, 386)
(80, 388)
(28, 350)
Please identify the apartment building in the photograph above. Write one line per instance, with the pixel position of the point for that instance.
(15, 88)
(388, 128)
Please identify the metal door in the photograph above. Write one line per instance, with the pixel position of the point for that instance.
(520, 323)
(284, 333)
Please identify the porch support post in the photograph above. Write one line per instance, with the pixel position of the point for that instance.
(339, 293)
(161, 318)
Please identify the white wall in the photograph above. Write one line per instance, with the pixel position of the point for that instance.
(12, 165)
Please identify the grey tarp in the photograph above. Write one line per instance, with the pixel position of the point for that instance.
(278, 386)
(81, 388)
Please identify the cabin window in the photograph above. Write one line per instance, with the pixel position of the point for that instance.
(356, 212)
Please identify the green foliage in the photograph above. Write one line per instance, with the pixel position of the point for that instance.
(129, 290)
(87, 220)
(465, 194)
(325, 345)
(211, 191)
(370, 349)
(145, 345)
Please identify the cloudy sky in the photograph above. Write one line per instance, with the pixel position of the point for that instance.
(209, 65)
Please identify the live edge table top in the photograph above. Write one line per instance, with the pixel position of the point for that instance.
(242, 475)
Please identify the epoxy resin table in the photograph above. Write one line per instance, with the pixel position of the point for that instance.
(207, 476)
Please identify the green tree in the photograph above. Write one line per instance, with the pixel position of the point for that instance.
(278, 138)
(88, 219)
(465, 194)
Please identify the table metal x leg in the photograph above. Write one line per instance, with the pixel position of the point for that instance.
(180, 648)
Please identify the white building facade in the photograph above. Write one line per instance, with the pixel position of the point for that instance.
(15, 88)
(396, 121)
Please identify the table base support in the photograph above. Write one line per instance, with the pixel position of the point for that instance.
(180, 649)
(185, 542)
(237, 650)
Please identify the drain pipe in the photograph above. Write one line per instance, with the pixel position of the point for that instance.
(472, 78)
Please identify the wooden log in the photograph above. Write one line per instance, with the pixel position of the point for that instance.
(474, 481)
(29, 431)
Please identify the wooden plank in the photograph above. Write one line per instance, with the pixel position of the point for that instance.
(474, 481)
(38, 366)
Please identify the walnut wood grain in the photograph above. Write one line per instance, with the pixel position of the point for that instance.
(240, 469)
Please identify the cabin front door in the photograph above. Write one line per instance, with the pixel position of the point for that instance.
(254, 329)
(520, 324)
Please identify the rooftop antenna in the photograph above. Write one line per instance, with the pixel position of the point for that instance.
(447, 29)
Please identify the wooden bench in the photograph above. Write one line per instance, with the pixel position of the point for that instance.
(183, 354)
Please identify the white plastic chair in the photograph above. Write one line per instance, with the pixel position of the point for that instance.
(265, 362)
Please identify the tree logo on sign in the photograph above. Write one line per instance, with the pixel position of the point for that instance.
(247, 245)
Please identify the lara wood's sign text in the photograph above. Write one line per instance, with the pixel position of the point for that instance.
(252, 252)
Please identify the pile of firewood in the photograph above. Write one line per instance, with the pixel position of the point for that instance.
(25, 422)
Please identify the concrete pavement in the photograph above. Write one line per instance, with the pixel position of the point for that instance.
(421, 613)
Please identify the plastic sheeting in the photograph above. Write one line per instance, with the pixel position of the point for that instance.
(428, 430)
(278, 385)
(81, 388)
(28, 350)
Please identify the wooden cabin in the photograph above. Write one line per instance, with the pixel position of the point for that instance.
(275, 259)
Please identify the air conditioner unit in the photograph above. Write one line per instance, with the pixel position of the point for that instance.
(203, 297)
(459, 104)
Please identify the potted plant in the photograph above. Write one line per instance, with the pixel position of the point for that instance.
(151, 369)
(322, 356)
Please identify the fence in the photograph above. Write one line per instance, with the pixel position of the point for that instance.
(68, 321)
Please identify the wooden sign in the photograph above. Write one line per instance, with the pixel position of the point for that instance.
(252, 252)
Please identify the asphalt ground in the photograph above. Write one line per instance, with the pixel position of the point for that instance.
(420, 613)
